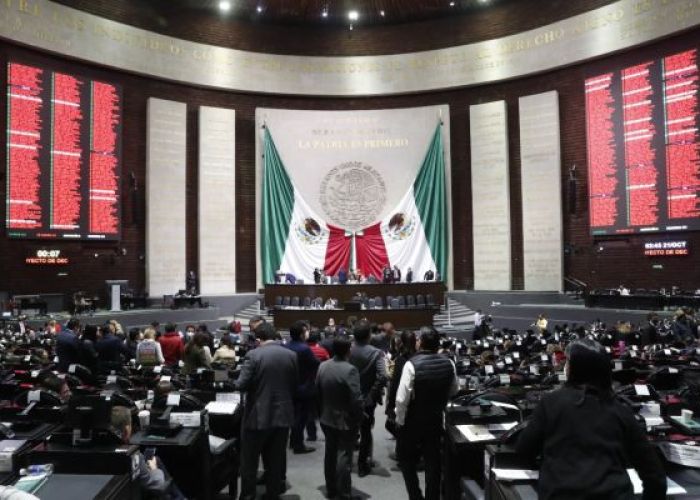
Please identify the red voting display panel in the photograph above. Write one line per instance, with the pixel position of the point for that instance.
(644, 148)
(63, 162)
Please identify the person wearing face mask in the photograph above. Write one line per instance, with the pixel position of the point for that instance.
(586, 436)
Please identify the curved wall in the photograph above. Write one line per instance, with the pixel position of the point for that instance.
(614, 27)
(620, 261)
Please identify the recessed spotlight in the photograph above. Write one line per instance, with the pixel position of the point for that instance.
(381, 13)
(353, 15)
(452, 4)
(224, 5)
(259, 9)
(324, 13)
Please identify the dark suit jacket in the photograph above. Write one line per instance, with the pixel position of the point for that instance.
(269, 378)
(369, 361)
(308, 366)
(339, 396)
(110, 349)
(66, 349)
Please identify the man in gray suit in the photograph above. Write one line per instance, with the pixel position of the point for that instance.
(340, 407)
(371, 365)
(268, 378)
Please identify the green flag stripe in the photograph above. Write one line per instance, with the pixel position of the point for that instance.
(277, 207)
(429, 193)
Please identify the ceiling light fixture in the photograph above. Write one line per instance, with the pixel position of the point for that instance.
(224, 5)
(353, 15)
(381, 13)
(259, 9)
(452, 4)
(324, 13)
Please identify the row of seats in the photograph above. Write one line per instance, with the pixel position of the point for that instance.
(419, 301)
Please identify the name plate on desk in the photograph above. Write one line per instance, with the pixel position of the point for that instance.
(187, 419)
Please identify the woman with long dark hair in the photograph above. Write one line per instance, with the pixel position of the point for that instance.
(587, 438)
(195, 354)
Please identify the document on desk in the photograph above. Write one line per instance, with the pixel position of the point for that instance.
(475, 433)
(681, 454)
(672, 487)
(222, 407)
(516, 474)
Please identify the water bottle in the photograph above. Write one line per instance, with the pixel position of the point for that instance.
(34, 470)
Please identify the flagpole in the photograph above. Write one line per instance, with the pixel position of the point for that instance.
(353, 257)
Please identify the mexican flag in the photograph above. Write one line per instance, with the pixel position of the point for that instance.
(415, 232)
(295, 240)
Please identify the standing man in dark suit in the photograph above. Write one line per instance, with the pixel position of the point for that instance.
(67, 345)
(429, 275)
(317, 276)
(308, 366)
(340, 408)
(369, 361)
(396, 274)
(269, 378)
(409, 275)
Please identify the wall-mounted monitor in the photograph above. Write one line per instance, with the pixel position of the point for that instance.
(63, 155)
(643, 147)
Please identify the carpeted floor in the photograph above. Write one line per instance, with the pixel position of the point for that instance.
(305, 472)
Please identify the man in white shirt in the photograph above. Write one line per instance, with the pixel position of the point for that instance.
(427, 382)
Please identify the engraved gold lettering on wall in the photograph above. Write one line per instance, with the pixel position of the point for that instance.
(622, 24)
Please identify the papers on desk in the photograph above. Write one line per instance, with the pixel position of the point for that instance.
(222, 407)
(672, 487)
(681, 454)
(516, 474)
(478, 433)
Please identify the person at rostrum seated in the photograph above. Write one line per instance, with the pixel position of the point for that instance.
(150, 475)
(586, 437)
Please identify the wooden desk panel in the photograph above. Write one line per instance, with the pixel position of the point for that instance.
(345, 293)
(401, 318)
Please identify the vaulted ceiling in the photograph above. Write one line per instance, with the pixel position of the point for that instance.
(320, 12)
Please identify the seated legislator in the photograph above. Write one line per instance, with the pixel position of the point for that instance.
(586, 437)
(150, 475)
